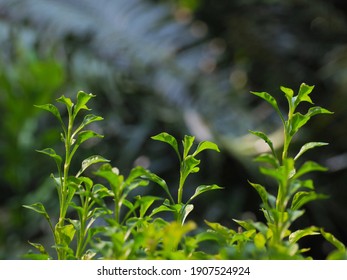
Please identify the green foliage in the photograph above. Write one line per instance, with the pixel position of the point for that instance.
(132, 227)
(276, 239)
(131, 224)
(189, 164)
(69, 186)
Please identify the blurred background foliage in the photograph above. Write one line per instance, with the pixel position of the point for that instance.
(185, 67)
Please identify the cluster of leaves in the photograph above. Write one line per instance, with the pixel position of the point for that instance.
(133, 227)
(275, 238)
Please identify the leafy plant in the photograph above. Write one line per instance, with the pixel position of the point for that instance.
(130, 226)
(276, 239)
(131, 229)
(188, 165)
(69, 186)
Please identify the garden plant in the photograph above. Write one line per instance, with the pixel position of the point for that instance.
(106, 215)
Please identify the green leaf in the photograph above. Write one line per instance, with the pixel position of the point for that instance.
(82, 100)
(303, 94)
(265, 138)
(298, 120)
(189, 165)
(39, 208)
(317, 110)
(262, 193)
(277, 174)
(145, 202)
(217, 227)
(309, 146)
(161, 182)
(90, 161)
(247, 225)
(307, 167)
(39, 247)
(271, 100)
(269, 159)
(301, 198)
(169, 139)
(136, 172)
(295, 185)
(188, 142)
(86, 135)
(289, 93)
(112, 176)
(185, 210)
(90, 118)
(297, 235)
(161, 208)
(54, 110)
(204, 188)
(67, 102)
(65, 234)
(209, 236)
(333, 240)
(259, 240)
(51, 153)
(204, 145)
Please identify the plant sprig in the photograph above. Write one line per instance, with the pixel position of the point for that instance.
(293, 192)
(189, 164)
(66, 184)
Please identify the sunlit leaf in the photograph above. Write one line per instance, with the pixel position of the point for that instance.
(333, 240)
(297, 235)
(51, 153)
(309, 146)
(245, 224)
(298, 120)
(38, 208)
(301, 198)
(54, 110)
(90, 118)
(86, 135)
(66, 234)
(186, 209)
(161, 208)
(303, 94)
(277, 174)
(204, 145)
(267, 158)
(201, 189)
(190, 165)
(259, 240)
(82, 100)
(287, 91)
(223, 230)
(161, 182)
(265, 138)
(262, 193)
(67, 101)
(106, 171)
(271, 100)
(169, 139)
(145, 202)
(90, 161)
(188, 142)
(317, 110)
(307, 167)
